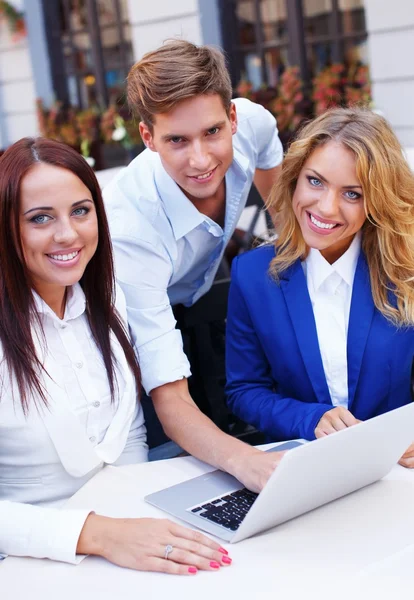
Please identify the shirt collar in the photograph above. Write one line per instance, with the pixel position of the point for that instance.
(75, 304)
(181, 212)
(318, 268)
(240, 161)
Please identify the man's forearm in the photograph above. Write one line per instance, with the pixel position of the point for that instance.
(264, 181)
(184, 423)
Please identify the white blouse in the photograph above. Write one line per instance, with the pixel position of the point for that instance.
(46, 456)
(330, 291)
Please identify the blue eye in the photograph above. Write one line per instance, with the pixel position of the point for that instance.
(314, 181)
(213, 131)
(352, 195)
(80, 212)
(40, 219)
(176, 140)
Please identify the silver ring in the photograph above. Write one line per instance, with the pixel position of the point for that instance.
(168, 550)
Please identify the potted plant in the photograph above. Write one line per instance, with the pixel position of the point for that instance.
(287, 102)
(14, 19)
(335, 85)
(290, 106)
(87, 124)
(121, 136)
(339, 85)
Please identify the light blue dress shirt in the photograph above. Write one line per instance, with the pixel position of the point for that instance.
(166, 251)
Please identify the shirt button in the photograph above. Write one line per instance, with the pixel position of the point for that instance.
(97, 404)
(79, 365)
(92, 439)
(62, 325)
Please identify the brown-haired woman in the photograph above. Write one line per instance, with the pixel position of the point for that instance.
(69, 375)
(320, 331)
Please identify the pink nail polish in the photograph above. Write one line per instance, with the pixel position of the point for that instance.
(192, 570)
(214, 564)
(226, 560)
(223, 550)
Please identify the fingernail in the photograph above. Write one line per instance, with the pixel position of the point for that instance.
(214, 564)
(226, 560)
(192, 570)
(223, 550)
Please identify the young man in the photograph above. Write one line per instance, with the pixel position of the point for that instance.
(172, 212)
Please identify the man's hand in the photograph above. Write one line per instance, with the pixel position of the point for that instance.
(254, 469)
(407, 459)
(184, 423)
(334, 420)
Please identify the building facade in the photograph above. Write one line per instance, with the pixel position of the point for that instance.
(79, 51)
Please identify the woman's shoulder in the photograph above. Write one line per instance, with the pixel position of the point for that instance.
(252, 268)
(258, 258)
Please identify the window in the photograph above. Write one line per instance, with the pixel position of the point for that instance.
(90, 48)
(263, 37)
(258, 45)
(334, 32)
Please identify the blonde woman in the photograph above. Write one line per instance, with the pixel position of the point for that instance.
(320, 325)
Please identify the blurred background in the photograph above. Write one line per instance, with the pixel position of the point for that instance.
(63, 63)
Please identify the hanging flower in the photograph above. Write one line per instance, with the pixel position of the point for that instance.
(119, 134)
(14, 19)
(85, 150)
(90, 160)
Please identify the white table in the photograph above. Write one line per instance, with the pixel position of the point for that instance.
(359, 546)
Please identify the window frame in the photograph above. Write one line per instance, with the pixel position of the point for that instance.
(60, 69)
(298, 44)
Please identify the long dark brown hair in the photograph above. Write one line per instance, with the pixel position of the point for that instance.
(18, 314)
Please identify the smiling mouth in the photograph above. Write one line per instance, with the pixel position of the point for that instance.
(325, 225)
(64, 257)
(204, 176)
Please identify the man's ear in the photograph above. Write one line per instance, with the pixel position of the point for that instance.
(146, 136)
(233, 118)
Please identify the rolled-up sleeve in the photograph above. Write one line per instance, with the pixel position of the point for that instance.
(40, 532)
(265, 132)
(143, 270)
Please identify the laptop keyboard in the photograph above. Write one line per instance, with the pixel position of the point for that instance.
(227, 511)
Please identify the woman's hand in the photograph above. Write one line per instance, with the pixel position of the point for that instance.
(407, 459)
(141, 544)
(334, 420)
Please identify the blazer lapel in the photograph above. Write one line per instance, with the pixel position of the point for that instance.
(294, 288)
(75, 451)
(360, 320)
(73, 447)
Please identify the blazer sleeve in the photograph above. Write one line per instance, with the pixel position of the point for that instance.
(250, 388)
(40, 532)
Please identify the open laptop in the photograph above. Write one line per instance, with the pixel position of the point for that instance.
(309, 475)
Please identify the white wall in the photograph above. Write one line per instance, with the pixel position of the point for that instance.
(390, 26)
(17, 93)
(154, 21)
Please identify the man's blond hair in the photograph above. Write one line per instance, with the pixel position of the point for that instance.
(176, 71)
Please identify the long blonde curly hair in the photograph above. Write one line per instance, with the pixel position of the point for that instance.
(388, 189)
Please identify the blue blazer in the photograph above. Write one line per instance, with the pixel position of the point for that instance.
(275, 376)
